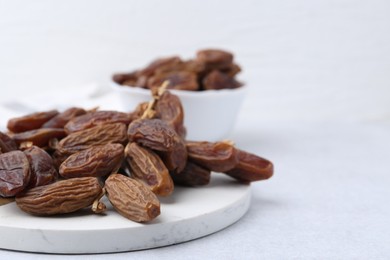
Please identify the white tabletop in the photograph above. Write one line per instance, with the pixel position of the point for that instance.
(318, 107)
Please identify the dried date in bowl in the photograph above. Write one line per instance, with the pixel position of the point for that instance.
(208, 115)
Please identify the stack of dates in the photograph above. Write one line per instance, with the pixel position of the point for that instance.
(60, 162)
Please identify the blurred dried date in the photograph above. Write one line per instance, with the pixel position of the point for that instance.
(95, 118)
(14, 173)
(147, 166)
(179, 80)
(60, 120)
(7, 144)
(41, 166)
(251, 167)
(160, 64)
(60, 197)
(218, 156)
(232, 70)
(155, 134)
(30, 121)
(218, 80)
(129, 79)
(98, 135)
(39, 137)
(96, 161)
(132, 198)
(193, 175)
(214, 59)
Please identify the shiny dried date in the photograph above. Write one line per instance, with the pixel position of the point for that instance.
(30, 121)
(218, 156)
(39, 137)
(42, 167)
(14, 173)
(61, 119)
(251, 167)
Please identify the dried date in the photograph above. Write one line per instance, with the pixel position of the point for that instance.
(30, 121)
(14, 173)
(218, 80)
(95, 118)
(60, 197)
(7, 144)
(251, 167)
(179, 80)
(147, 166)
(132, 198)
(218, 156)
(41, 166)
(96, 161)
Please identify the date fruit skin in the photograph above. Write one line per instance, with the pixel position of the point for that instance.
(30, 121)
(147, 166)
(218, 80)
(214, 59)
(176, 159)
(14, 173)
(41, 166)
(96, 161)
(217, 157)
(60, 197)
(251, 167)
(7, 144)
(155, 134)
(95, 118)
(193, 175)
(98, 135)
(39, 137)
(132, 198)
(179, 80)
(61, 119)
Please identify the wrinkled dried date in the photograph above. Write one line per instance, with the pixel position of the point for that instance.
(14, 173)
(60, 197)
(179, 80)
(98, 135)
(155, 134)
(30, 121)
(61, 119)
(251, 167)
(95, 118)
(39, 137)
(96, 161)
(218, 80)
(147, 166)
(192, 175)
(218, 156)
(41, 166)
(132, 198)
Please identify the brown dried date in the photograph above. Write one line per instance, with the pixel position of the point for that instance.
(251, 167)
(214, 59)
(147, 166)
(41, 167)
(95, 118)
(7, 144)
(14, 173)
(155, 134)
(96, 161)
(192, 175)
(218, 80)
(218, 156)
(98, 135)
(132, 198)
(176, 159)
(60, 197)
(30, 121)
(39, 137)
(60, 120)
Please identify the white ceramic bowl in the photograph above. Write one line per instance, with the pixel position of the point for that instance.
(208, 115)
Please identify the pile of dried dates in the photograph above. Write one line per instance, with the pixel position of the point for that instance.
(60, 162)
(211, 69)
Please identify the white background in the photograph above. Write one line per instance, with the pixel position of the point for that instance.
(318, 74)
